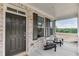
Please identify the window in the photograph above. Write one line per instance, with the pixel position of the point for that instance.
(20, 12)
(15, 10)
(40, 21)
(51, 27)
(51, 31)
(40, 32)
(47, 22)
(38, 26)
(11, 9)
(47, 25)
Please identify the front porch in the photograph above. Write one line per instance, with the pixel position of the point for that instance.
(38, 26)
(67, 49)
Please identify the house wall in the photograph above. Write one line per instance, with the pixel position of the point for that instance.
(1, 28)
(1, 22)
(30, 43)
(33, 44)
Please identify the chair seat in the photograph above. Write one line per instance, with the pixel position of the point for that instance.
(50, 46)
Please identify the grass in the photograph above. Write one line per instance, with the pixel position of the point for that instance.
(66, 30)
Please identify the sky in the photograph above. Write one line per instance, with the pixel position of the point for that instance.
(67, 23)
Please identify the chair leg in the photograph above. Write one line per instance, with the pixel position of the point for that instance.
(55, 48)
(60, 44)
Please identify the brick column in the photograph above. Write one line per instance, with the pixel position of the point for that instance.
(29, 30)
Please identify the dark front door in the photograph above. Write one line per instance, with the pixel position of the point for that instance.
(15, 34)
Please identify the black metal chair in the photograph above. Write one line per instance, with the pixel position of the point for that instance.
(58, 41)
(49, 45)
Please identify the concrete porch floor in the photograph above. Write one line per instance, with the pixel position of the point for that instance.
(67, 49)
(21, 54)
(1, 48)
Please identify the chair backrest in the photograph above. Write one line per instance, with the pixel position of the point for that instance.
(55, 39)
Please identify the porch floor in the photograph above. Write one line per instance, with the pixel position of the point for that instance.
(1, 48)
(67, 49)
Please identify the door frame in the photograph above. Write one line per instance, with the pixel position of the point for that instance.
(4, 23)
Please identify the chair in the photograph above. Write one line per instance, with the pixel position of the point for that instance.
(58, 41)
(49, 45)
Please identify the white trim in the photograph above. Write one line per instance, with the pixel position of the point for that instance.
(4, 10)
(15, 13)
(16, 8)
(4, 18)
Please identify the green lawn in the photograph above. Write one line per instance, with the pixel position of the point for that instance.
(66, 30)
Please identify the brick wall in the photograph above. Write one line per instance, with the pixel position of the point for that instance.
(30, 43)
(1, 22)
(1, 29)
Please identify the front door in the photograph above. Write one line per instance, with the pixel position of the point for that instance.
(15, 34)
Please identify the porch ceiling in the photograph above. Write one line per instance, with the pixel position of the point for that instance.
(57, 10)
